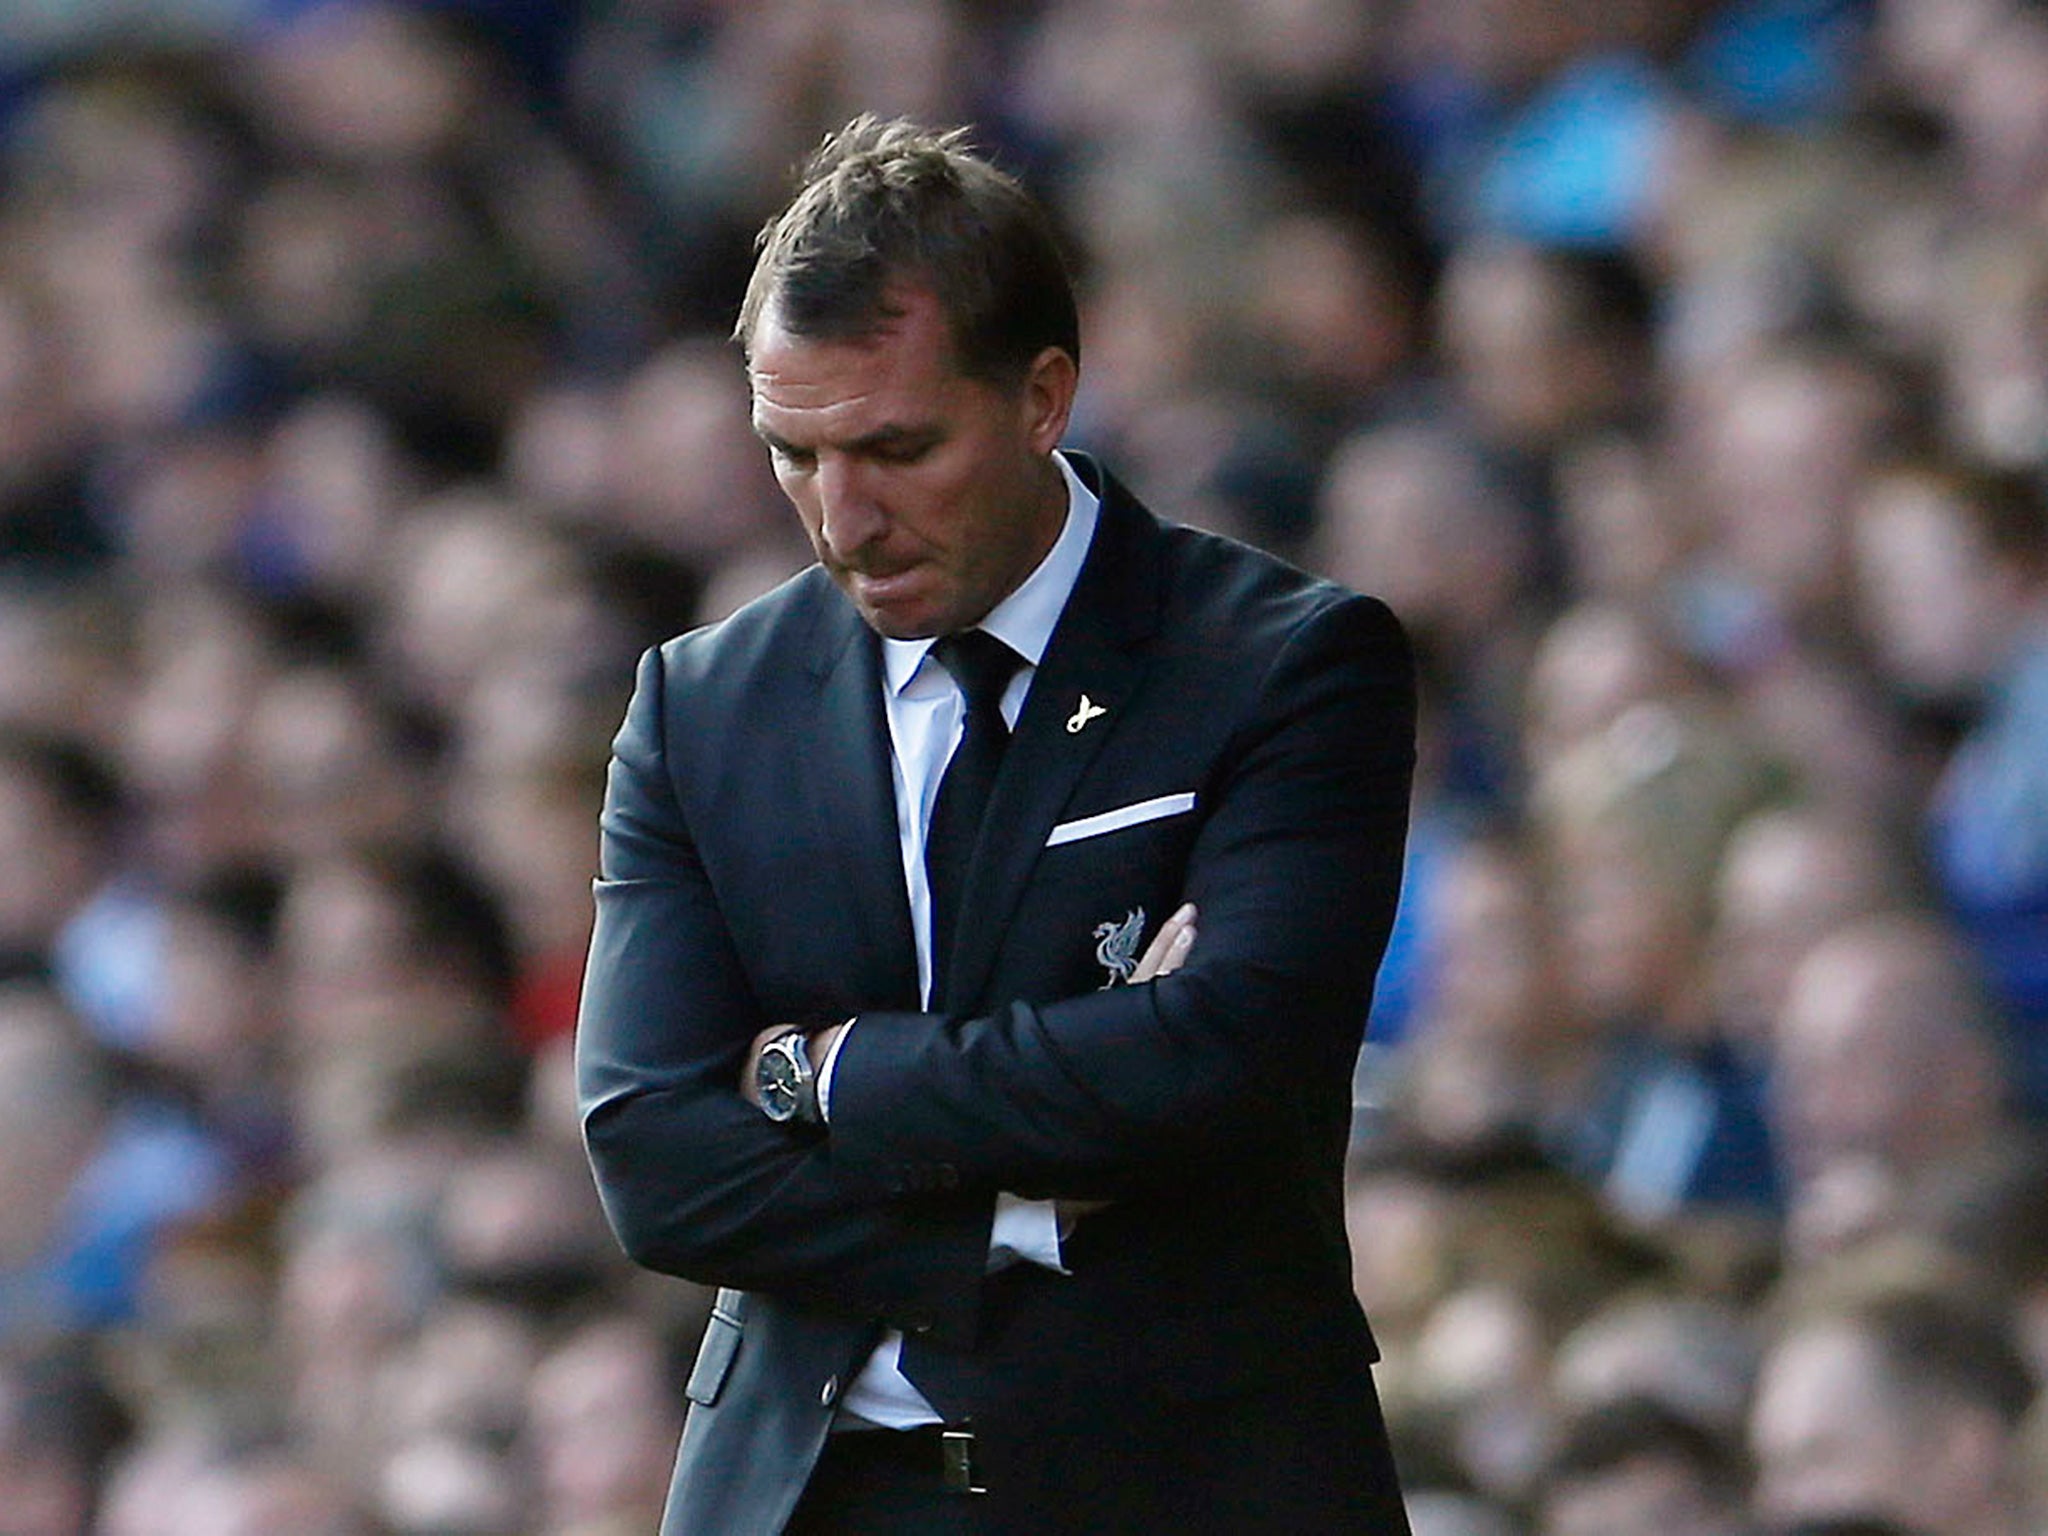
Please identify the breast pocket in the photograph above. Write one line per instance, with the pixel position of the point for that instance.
(1106, 881)
(1121, 818)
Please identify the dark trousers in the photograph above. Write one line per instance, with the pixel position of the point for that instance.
(877, 1482)
(1312, 1461)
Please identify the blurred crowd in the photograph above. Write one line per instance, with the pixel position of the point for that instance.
(1677, 368)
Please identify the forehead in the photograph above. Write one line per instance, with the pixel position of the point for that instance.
(906, 360)
(1850, 1011)
(1825, 1377)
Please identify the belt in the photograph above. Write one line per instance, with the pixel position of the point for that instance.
(948, 1450)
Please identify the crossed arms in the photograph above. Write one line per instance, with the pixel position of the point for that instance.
(1294, 869)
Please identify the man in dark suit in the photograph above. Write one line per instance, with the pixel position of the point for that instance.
(1026, 1205)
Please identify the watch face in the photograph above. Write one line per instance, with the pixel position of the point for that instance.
(780, 1082)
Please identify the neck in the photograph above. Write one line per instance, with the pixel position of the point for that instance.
(1048, 516)
(1050, 512)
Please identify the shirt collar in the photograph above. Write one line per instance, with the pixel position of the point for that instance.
(1024, 620)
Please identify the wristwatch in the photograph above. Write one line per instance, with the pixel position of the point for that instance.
(786, 1080)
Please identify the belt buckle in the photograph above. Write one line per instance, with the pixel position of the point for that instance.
(956, 1449)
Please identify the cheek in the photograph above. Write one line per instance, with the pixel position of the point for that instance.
(798, 491)
(943, 510)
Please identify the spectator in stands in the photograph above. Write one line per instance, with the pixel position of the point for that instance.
(183, 1489)
(1332, 318)
(325, 762)
(1953, 577)
(1410, 509)
(1543, 347)
(356, 1277)
(1631, 823)
(1991, 1213)
(1788, 876)
(94, 1177)
(59, 1423)
(1594, 662)
(1693, 1356)
(1496, 1051)
(1886, 1065)
(602, 1415)
(447, 1408)
(1774, 443)
(60, 815)
(1621, 526)
(214, 1036)
(1634, 1466)
(1893, 1400)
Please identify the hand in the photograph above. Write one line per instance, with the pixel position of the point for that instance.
(1167, 953)
(1170, 946)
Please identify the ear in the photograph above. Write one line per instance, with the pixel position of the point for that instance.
(1047, 398)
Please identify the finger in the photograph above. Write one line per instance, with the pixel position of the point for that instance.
(1177, 952)
(1178, 946)
(1163, 941)
(1182, 919)
(1162, 945)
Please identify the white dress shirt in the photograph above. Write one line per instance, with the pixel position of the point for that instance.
(927, 713)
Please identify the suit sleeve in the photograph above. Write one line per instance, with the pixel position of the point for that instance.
(695, 1182)
(1296, 871)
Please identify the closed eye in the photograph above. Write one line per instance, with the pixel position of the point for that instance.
(894, 447)
(907, 450)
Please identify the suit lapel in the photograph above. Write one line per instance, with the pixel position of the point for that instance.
(1097, 649)
(853, 798)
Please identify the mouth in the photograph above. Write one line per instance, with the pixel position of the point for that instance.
(881, 588)
(894, 602)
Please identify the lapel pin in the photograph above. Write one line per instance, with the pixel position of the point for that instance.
(1088, 711)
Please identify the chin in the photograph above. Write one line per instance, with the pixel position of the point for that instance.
(914, 621)
(896, 630)
(901, 623)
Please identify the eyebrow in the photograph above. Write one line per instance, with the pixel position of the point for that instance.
(891, 436)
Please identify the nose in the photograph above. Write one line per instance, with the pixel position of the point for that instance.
(849, 517)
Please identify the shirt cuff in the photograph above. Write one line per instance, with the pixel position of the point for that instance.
(825, 1073)
(1025, 1229)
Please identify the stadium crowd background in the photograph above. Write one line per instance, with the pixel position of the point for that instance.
(1677, 368)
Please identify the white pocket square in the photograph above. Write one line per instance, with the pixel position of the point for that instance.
(1123, 816)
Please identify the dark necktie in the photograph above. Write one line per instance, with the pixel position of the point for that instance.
(983, 666)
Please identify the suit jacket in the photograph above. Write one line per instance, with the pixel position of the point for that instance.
(1253, 755)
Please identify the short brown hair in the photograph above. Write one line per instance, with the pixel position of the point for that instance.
(882, 203)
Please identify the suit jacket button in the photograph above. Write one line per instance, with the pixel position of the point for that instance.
(829, 1393)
